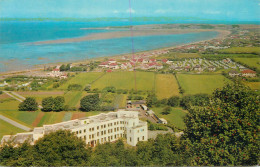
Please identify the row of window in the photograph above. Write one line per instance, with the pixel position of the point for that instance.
(92, 129)
(138, 139)
(109, 138)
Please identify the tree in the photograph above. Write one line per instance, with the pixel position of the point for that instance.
(58, 103)
(90, 103)
(167, 110)
(47, 104)
(29, 104)
(151, 100)
(174, 101)
(226, 131)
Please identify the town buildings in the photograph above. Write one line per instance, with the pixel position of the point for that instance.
(105, 127)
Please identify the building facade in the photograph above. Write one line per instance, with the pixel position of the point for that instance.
(105, 127)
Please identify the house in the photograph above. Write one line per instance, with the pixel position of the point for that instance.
(248, 73)
(163, 121)
(136, 105)
(102, 128)
(159, 66)
(111, 61)
(4, 84)
(113, 66)
(123, 66)
(212, 68)
(198, 68)
(152, 60)
(187, 68)
(178, 68)
(104, 64)
(164, 60)
(233, 73)
(152, 65)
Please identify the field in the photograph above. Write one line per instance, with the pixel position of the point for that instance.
(166, 86)
(241, 50)
(173, 55)
(194, 84)
(125, 80)
(82, 79)
(8, 129)
(175, 117)
(72, 98)
(41, 95)
(252, 62)
(253, 85)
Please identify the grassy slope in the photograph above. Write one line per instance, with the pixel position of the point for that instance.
(176, 116)
(8, 129)
(193, 84)
(241, 50)
(82, 79)
(166, 86)
(125, 80)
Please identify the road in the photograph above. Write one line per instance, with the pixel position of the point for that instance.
(14, 123)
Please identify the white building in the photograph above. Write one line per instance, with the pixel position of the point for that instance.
(101, 128)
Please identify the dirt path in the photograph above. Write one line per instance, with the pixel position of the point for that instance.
(38, 119)
(15, 123)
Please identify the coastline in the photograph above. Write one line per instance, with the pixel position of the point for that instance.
(222, 34)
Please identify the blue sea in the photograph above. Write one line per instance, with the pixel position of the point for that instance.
(16, 53)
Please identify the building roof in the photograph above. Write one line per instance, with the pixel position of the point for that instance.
(233, 72)
(248, 71)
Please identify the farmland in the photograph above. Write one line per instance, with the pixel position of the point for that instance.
(175, 117)
(194, 83)
(176, 55)
(241, 50)
(125, 80)
(82, 79)
(166, 86)
(8, 129)
(251, 62)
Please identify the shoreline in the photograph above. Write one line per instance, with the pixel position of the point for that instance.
(222, 34)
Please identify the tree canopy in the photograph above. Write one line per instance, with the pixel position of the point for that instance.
(227, 131)
(29, 104)
(90, 103)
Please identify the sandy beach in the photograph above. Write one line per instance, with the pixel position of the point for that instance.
(120, 34)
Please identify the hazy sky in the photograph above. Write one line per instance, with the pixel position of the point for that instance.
(243, 10)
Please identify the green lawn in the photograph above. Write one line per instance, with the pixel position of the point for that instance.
(8, 129)
(194, 83)
(241, 50)
(82, 79)
(166, 86)
(72, 98)
(252, 62)
(9, 104)
(252, 85)
(125, 80)
(176, 116)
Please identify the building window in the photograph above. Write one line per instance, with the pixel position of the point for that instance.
(105, 132)
(77, 132)
(105, 138)
(117, 128)
(89, 136)
(102, 140)
(97, 127)
(111, 124)
(92, 136)
(101, 126)
(97, 133)
(115, 136)
(143, 137)
(84, 130)
(111, 130)
(90, 129)
(85, 137)
(114, 129)
(104, 126)
(117, 122)
(111, 137)
(80, 131)
(114, 123)
(102, 132)
(130, 139)
(137, 138)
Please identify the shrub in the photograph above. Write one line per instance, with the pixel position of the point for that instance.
(29, 104)
(74, 87)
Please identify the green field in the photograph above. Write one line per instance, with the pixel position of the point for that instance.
(40, 95)
(8, 129)
(194, 83)
(252, 62)
(9, 104)
(175, 55)
(252, 85)
(175, 117)
(241, 50)
(166, 86)
(82, 79)
(125, 80)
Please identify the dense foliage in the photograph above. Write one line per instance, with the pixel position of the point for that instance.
(53, 104)
(29, 104)
(90, 103)
(72, 87)
(227, 131)
(62, 148)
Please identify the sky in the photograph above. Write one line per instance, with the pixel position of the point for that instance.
(239, 10)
